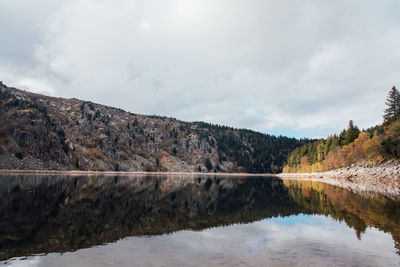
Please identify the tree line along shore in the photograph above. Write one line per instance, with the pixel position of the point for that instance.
(368, 148)
(39, 132)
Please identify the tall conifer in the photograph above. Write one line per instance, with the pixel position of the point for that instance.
(392, 111)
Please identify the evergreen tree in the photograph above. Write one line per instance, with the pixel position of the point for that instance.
(77, 164)
(157, 163)
(218, 168)
(392, 111)
(341, 138)
(351, 133)
(208, 164)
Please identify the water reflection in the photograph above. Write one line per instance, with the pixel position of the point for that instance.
(44, 214)
(359, 211)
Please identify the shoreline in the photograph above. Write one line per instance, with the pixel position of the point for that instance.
(121, 173)
(362, 187)
(365, 178)
(382, 179)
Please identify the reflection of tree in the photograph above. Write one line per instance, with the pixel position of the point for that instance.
(60, 214)
(357, 211)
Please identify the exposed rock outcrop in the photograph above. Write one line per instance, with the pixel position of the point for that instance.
(42, 132)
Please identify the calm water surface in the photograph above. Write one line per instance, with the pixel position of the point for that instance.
(147, 220)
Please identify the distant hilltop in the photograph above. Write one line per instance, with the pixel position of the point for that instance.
(39, 132)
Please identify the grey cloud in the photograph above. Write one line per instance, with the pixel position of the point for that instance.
(264, 65)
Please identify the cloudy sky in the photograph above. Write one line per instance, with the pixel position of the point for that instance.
(296, 68)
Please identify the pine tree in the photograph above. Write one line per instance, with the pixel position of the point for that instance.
(351, 133)
(208, 164)
(392, 112)
(157, 163)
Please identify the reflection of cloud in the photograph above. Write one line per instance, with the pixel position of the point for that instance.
(260, 244)
(316, 236)
(308, 234)
(305, 240)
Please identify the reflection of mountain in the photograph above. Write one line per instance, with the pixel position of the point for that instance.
(40, 214)
(58, 214)
(358, 211)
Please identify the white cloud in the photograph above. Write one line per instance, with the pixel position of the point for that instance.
(309, 66)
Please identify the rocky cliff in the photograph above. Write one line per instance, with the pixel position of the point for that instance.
(42, 132)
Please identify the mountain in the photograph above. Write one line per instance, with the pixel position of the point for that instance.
(43, 132)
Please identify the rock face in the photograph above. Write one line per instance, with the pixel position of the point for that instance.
(42, 132)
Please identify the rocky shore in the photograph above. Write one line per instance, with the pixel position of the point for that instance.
(362, 178)
(381, 178)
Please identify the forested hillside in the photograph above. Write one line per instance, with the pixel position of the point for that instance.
(42, 132)
(375, 145)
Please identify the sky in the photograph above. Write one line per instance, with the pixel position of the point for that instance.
(294, 68)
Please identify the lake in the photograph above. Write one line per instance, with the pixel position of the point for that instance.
(192, 220)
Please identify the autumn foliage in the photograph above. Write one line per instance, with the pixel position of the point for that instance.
(374, 145)
(377, 144)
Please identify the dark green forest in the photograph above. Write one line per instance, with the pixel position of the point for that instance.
(254, 152)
